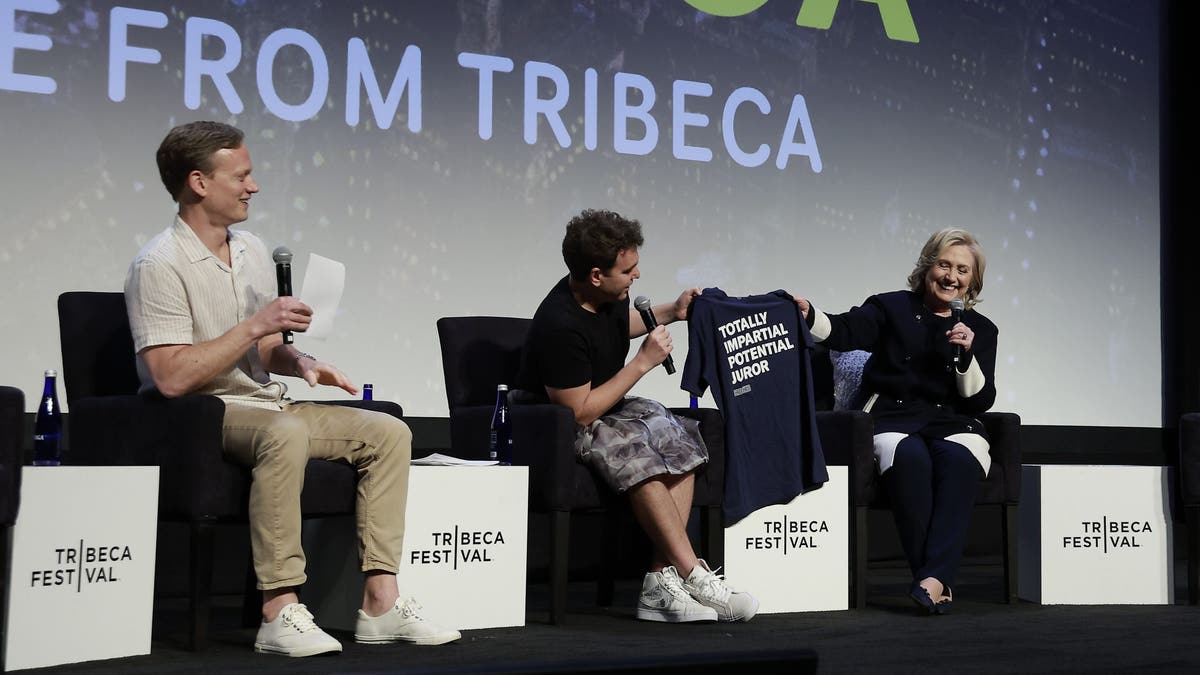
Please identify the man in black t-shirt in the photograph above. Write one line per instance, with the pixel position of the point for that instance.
(574, 356)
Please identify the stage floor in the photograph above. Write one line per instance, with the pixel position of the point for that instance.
(983, 635)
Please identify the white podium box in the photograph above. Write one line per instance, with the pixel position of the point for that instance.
(465, 544)
(795, 557)
(82, 580)
(1096, 535)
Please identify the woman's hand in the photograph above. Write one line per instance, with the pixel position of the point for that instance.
(961, 335)
(804, 305)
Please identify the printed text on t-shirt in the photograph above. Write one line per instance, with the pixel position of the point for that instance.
(748, 342)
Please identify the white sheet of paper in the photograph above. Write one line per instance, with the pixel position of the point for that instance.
(324, 280)
(438, 459)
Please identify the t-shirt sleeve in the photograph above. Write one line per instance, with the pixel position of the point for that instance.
(156, 302)
(693, 380)
(562, 359)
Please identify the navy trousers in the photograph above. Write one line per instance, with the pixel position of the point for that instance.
(932, 484)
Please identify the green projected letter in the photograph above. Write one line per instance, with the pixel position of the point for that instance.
(727, 7)
(897, 20)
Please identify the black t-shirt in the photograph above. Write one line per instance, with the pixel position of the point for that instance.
(568, 346)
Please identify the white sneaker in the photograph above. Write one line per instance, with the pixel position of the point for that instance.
(401, 623)
(710, 589)
(663, 598)
(294, 633)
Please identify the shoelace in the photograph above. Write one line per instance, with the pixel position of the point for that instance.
(408, 608)
(712, 585)
(298, 617)
(674, 585)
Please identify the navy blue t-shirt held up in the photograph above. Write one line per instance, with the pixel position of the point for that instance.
(753, 352)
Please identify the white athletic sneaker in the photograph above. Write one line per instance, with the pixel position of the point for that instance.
(664, 599)
(710, 589)
(294, 633)
(401, 623)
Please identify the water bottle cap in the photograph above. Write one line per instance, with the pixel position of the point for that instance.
(51, 373)
(502, 387)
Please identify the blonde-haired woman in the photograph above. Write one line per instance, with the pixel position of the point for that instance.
(931, 369)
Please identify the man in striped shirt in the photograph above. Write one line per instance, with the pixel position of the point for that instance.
(205, 319)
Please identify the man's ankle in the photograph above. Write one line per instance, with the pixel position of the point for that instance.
(380, 593)
(274, 600)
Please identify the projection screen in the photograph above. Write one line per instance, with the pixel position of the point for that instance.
(438, 148)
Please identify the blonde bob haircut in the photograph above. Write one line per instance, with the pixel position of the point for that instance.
(939, 242)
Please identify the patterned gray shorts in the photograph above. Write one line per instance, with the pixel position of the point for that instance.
(640, 440)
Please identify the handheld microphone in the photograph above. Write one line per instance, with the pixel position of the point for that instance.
(956, 311)
(642, 305)
(283, 277)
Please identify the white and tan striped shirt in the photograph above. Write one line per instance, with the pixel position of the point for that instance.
(178, 292)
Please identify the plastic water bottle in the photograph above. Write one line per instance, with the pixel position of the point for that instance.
(368, 392)
(47, 428)
(500, 439)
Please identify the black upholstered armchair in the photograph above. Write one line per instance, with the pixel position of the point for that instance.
(1189, 496)
(12, 411)
(111, 424)
(1001, 488)
(479, 353)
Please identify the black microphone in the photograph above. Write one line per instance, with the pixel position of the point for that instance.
(283, 277)
(956, 312)
(642, 305)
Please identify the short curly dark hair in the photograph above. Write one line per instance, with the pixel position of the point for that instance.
(594, 238)
(190, 147)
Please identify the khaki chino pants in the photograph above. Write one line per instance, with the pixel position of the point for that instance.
(277, 446)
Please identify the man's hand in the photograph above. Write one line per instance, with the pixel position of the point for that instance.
(285, 313)
(655, 348)
(318, 372)
(683, 303)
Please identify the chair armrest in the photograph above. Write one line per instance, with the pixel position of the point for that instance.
(1004, 433)
(182, 436)
(544, 440)
(1189, 459)
(390, 407)
(12, 430)
(847, 440)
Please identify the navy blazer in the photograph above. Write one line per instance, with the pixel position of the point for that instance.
(910, 366)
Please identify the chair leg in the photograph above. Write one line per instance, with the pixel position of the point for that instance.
(203, 536)
(606, 581)
(252, 598)
(1008, 518)
(1192, 515)
(859, 555)
(5, 571)
(560, 539)
(713, 535)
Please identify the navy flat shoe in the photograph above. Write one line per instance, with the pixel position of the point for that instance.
(943, 606)
(920, 596)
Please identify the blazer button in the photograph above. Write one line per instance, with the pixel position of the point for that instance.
(907, 359)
